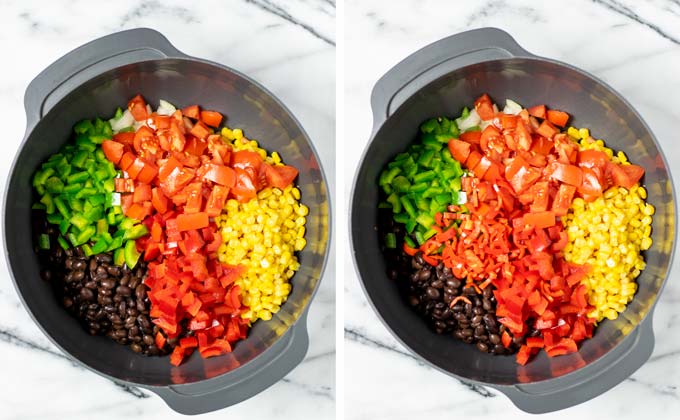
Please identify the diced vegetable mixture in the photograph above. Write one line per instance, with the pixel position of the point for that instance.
(522, 234)
(216, 221)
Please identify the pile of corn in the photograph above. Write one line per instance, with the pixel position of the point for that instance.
(608, 234)
(263, 235)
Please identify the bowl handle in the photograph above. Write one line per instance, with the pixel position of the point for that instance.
(89, 60)
(435, 60)
(590, 381)
(245, 382)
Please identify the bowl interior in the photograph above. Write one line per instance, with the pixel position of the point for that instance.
(529, 82)
(182, 82)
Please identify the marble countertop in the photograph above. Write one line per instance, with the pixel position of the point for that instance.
(288, 46)
(635, 47)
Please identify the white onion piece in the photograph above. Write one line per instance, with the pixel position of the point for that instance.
(165, 108)
(126, 120)
(472, 120)
(512, 107)
(485, 124)
(115, 199)
(462, 197)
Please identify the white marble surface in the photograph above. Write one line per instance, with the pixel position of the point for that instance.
(289, 46)
(634, 46)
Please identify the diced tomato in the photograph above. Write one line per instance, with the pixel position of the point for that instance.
(471, 137)
(522, 136)
(177, 356)
(624, 175)
(244, 188)
(280, 176)
(200, 130)
(136, 167)
(540, 220)
(127, 138)
(113, 151)
(148, 173)
(558, 118)
(192, 111)
(192, 221)
(547, 130)
(137, 107)
(537, 111)
(569, 174)
(217, 200)
(484, 107)
(460, 150)
(211, 118)
(563, 199)
(508, 121)
(142, 193)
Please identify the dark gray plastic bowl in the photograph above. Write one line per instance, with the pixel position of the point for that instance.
(441, 79)
(92, 81)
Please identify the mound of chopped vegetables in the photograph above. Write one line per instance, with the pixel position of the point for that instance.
(154, 186)
(550, 219)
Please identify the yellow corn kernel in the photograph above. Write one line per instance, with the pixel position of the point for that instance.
(584, 133)
(573, 132)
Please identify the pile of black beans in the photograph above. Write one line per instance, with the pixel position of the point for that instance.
(430, 291)
(107, 299)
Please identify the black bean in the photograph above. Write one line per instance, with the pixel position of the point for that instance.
(123, 291)
(432, 293)
(454, 283)
(103, 258)
(486, 304)
(78, 275)
(93, 265)
(494, 338)
(468, 332)
(482, 346)
(86, 294)
(476, 320)
(148, 340)
(46, 274)
(108, 283)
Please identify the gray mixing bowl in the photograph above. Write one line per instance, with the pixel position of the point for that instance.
(92, 81)
(441, 79)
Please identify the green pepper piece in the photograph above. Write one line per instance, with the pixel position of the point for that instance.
(54, 185)
(87, 250)
(44, 241)
(111, 218)
(38, 206)
(63, 243)
(48, 202)
(97, 199)
(135, 232)
(127, 224)
(116, 243)
(401, 184)
(131, 254)
(55, 218)
(424, 176)
(119, 256)
(391, 240)
(78, 177)
(401, 217)
(64, 168)
(443, 198)
(102, 227)
(425, 220)
(99, 247)
(455, 184)
(61, 206)
(72, 189)
(99, 154)
(418, 188)
(42, 176)
(83, 126)
(127, 130)
(79, 159)
(429, 233)
(86, 192)
(426, 158)
(429, 125)
(85, 234)
(64, 226)
(393, 199)
(384, 205)
(406, 203)
(109, 185)
(410, 225)
(409, 241)
(79, 221)
(419, 238)
(389, 175)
